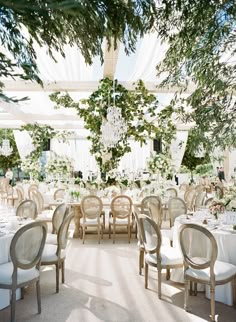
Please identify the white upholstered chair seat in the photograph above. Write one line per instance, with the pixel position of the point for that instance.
(23, 275)
(51, 239)
(90, 222)
(119, 221)
(169, 256)
(222, 271)
(49, 253)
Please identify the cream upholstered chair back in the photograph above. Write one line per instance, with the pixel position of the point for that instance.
(171, 192)
(58, 217)
(20, 195)
(25, 252)
(199, 249)
(27, 245)
(201, 255)
(208, 201)
(199, 199)
(59, 194)
(62, 236)
(150, 234)
(27, 209)
(37, 197)
(190, 199)
(152, 207)
(121, 207)
(176, 207)
(183, 187)
(91, 207)
(31, 188)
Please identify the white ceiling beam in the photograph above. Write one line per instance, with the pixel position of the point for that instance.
(64, 86)
(110, 61)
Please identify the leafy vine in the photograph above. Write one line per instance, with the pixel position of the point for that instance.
(140, 110)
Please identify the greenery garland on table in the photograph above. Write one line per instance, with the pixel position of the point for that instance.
(139, 108)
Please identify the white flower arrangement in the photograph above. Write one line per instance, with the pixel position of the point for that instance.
(160, 163)
(31, 167)
(61, 165)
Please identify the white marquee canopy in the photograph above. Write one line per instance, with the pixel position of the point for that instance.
(71, 74)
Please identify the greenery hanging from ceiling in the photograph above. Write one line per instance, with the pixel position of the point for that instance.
(141, 111)
(56, 23)
(201, 57)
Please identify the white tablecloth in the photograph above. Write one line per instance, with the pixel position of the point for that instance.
(226, 242)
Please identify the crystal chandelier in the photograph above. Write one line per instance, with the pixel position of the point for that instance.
(6, 149)
(114, 126)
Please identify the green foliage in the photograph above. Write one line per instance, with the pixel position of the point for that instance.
(201, 37)
(55, 23)
(204, 169)
(39, 134)
(138, 108)
(190, 160)
(12, 160)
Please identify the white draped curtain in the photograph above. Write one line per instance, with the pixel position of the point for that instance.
(23, 142)
(79, 151)
(177, 148)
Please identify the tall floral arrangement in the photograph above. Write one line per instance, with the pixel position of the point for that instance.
(160, 163)
(31, 167)
(59, 165)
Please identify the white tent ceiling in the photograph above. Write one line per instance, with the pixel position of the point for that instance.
(71, 74)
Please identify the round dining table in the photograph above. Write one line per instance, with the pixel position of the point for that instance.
(225, 237)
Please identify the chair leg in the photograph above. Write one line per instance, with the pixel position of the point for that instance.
(57, 277)
(191, 288)
(129, 228)
(146, 275)
(186, 295)
(212, 290)
(167, 274)
(13, 304)
(159, 281)
(195, 289)
(109, 230)
(234, 292)
(83, 233)
(141, 257)
(22, 291)
(38, 296)
(102, 227)
(114, 233)
(63, 272)
(99, 235)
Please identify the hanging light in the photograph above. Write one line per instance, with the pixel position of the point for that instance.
(5, 148)
(114, 126)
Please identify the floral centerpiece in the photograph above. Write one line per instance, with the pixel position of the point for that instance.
(160, 163)
(216, 207)
(31, 167)
(59, 166)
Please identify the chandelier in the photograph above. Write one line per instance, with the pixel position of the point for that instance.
(114, 126)
(5, 148)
